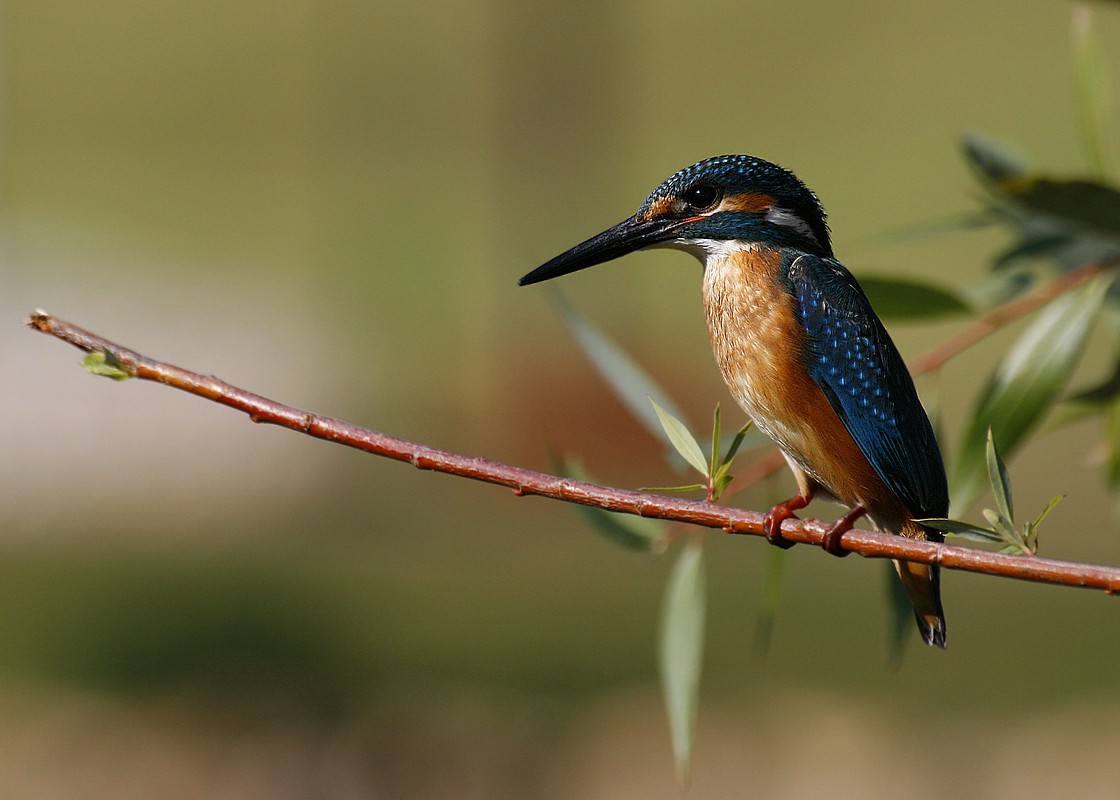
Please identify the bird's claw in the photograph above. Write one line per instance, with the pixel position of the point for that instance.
(772, 524)
(772, 527)
(831, 542)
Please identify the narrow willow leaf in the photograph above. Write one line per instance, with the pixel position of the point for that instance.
(681, 438)
(635, 533)
(1094, 98)
(1085, 206)
(771, 600)
(1000, 480)
(993, 160)
(1005, 529)
(900, 616)
(1046, 511)
(721, 482)
(1017, 545)
(721, 477)
(894, 298)
(105, 364)
(630, 383)
(1031, 533)
(713, 462)
(692, 487)
(998, 286)
(736, 443)
(965, 530)
(1112, 464)
(1032, 246)
(999, 524)
(974, 533)
(682, 651)
(1101, 393)
(1026, 384)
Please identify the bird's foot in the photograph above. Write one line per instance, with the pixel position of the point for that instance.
(772, 524)
(831, 542)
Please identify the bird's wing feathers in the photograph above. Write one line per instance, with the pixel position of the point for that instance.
(852, 358)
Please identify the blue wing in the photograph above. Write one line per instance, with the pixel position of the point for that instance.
(852, 358)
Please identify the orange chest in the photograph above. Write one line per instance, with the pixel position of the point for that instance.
(761, 350)
(760, 347)
(757, 340)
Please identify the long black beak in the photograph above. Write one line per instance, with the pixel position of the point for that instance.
(625, 237)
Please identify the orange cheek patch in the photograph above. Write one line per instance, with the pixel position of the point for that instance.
(749, 202)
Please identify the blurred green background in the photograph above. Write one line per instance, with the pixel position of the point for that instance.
(330, 204)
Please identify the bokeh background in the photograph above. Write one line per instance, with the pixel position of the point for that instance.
(330, 203)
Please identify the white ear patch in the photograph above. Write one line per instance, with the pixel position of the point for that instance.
(783, 216)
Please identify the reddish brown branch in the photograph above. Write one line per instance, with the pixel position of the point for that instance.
(524, 481)
(1004, 314)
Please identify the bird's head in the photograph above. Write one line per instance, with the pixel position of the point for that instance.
(703, 209)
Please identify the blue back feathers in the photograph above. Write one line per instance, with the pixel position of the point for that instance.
(852, 358)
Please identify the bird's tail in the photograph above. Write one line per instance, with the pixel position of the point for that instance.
(923, 584)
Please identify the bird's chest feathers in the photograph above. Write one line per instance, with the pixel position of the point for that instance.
(757, 340)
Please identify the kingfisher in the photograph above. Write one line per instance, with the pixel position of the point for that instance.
(801, 350)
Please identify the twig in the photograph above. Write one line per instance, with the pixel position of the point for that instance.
(526, 482)
(1006, 313)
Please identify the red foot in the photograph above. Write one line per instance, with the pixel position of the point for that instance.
(832, 536)
(772, 524)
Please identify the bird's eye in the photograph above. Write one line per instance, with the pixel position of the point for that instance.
(700, 196)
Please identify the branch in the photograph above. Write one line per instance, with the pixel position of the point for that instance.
(528, 482)
(1006, 313)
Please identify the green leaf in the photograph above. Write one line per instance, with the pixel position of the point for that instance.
(965, 530)
(909, 299)
(1099, 394)
(721, 482)
(1032, 246)
(632, 532)
(1046, 511)
(692, 487)
(1112, 465)
(737, 442)
(682, 651)
(992, 160)
(1026, 384)
(1085, 206)
(771, 600)
(1000, 481)
(1094, 97)
(714, 462)
(1006, 530)
(681, 438)
(105, 364)
(998, 523)
(630, 383)
(901, 617)
(1030, 533)
(720, 477)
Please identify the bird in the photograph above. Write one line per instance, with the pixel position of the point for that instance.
(800, 349)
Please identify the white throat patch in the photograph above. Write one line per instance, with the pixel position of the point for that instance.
(708, 250)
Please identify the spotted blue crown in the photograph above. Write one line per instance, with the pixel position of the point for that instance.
(742, 175)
